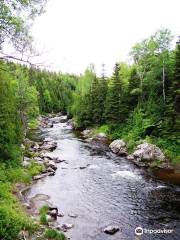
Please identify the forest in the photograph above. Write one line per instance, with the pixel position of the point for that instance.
(140, 101)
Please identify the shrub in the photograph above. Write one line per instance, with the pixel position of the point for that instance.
(35, 168)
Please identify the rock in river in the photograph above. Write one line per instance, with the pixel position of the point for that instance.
(111, 229)
(118, 146)
(147, 153)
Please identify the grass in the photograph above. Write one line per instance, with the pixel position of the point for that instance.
(33, 124)
(55, 235)
(43, 214)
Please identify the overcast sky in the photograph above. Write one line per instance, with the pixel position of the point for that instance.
(74, 33)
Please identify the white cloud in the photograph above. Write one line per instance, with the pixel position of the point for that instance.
(75, 33)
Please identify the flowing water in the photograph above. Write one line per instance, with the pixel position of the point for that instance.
(103, 189)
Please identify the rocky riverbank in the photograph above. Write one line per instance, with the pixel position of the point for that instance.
(37, 156)
(145, 155)
(38, 153)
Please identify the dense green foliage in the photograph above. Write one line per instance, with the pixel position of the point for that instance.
(141, 101)
(12, 217)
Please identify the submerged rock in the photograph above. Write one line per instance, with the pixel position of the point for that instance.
(66, 226)
(118, 146)
(111, 229)
(72, 215)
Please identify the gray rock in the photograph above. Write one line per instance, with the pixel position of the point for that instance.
(51, 164)
(72, 215)
(63, 119)
(86, 132)
(101, 137)
(111, 229)
(50, 146)
(49, 169)
(37, 177)
(130, 157)
(66, 226)
(148, 152)
(48, 139)
(51, 173)
(38, 159)
(118, 146)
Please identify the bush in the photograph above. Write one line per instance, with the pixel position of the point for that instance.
(35, 168)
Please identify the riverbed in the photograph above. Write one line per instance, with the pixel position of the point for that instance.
(98, 189)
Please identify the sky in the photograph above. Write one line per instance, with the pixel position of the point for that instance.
(71, 34)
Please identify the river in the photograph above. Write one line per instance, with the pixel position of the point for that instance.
(103, 189)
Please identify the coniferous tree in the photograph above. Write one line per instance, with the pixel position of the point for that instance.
(103, 86)
(176, 83)
(114, 110)
(134, 90)
(95, 101)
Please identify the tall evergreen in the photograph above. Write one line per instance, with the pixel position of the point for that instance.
(134, 90)
(95, 101)
(103, 86)
(114, 110)
(176, 82)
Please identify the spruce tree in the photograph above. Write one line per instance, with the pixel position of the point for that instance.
(134, 90)
(176, 83)
(114, 109)
(95, 101)
(103, 86)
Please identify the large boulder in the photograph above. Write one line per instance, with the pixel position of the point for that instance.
(118, 146)
(146, 153)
